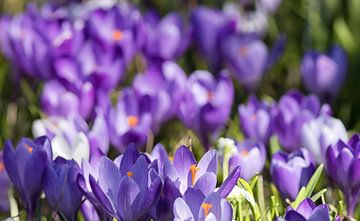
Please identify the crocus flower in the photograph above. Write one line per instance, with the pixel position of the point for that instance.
(307, 211)
(250, 156)
(324, 74)
(321, 132)
(29, 160)
(56, 99)
(256, 120)
(67, 140)
(298, 165)
(195, 206)
(206, 104)
(61, 189)
(130, 122)
(5, 185)
(248, 57)
(129, 190)
(291, 112)
(209, 27)
(164, 88)
(342, 164)
(170, 29)
(269, 5)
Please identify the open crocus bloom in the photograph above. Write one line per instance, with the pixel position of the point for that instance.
(194, 206)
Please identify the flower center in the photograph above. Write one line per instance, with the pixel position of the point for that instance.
(193, 170)
(253, 117)
(206, 207)
(117, 35)
(130, 174)
(2, 167)
(245, 153)
(210, 95)
(132, 120)
(171, 158)
(243, 51)
(29, 149)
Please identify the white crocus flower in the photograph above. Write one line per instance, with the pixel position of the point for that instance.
(318, 134)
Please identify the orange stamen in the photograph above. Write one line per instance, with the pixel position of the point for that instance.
(29, 149)
(253, 117)
(193, 170)
(210, 95)
(117, 35)
(2, 167)
(243, 51)
(206, 207)
(132, 120)
(130, 174)
(245, 153)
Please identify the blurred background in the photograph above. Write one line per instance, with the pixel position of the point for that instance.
(307, 24)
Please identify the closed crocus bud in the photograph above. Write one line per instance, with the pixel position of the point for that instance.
(256, 120)
(321, 132)
(250, 156)
(298, 165)
(307, 211)
(26, 167)
(209, 27)
(61, 189)
(195, 206)
(5, 185)
(342, 164)
(207, 104)
(324, 74)
(170, 29)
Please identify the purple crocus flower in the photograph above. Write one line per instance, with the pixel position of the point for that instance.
(194, 206)
(207, 104)
(250, 156)
(256, 120)
(127, 188)
(61, 189)
(248, 57)
(30, 159)
(5, 185)
(292, 111)
(307, 211)
(163, 87)
(324, 74)
(56, 99)
(342, 164)
(298, 165)
(319, 133)
(170, 29)
(209, 27)
(130, 122)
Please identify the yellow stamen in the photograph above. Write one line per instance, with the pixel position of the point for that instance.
(29, 149)
(130, 174)
(243, 51)
(193, 170)
(245, 153)
(206, 207)
(117, 35)
(132, 120)
(171, 158)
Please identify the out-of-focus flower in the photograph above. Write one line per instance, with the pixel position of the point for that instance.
(248, 57)
(130, 122)
(170, 29)
(163, 88)
(67, 139)
(127, 191)
(342, 164)
(307, 211)
(26, 167)
(61, 189)
(195, 206)
(292, 111)
(5, 185)
(269, 5)
(56, 99)
(250, 156)
(321, 132)
(324, 74)
(209, 27)
(206, 104)
(290, 172)
(256, 119)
